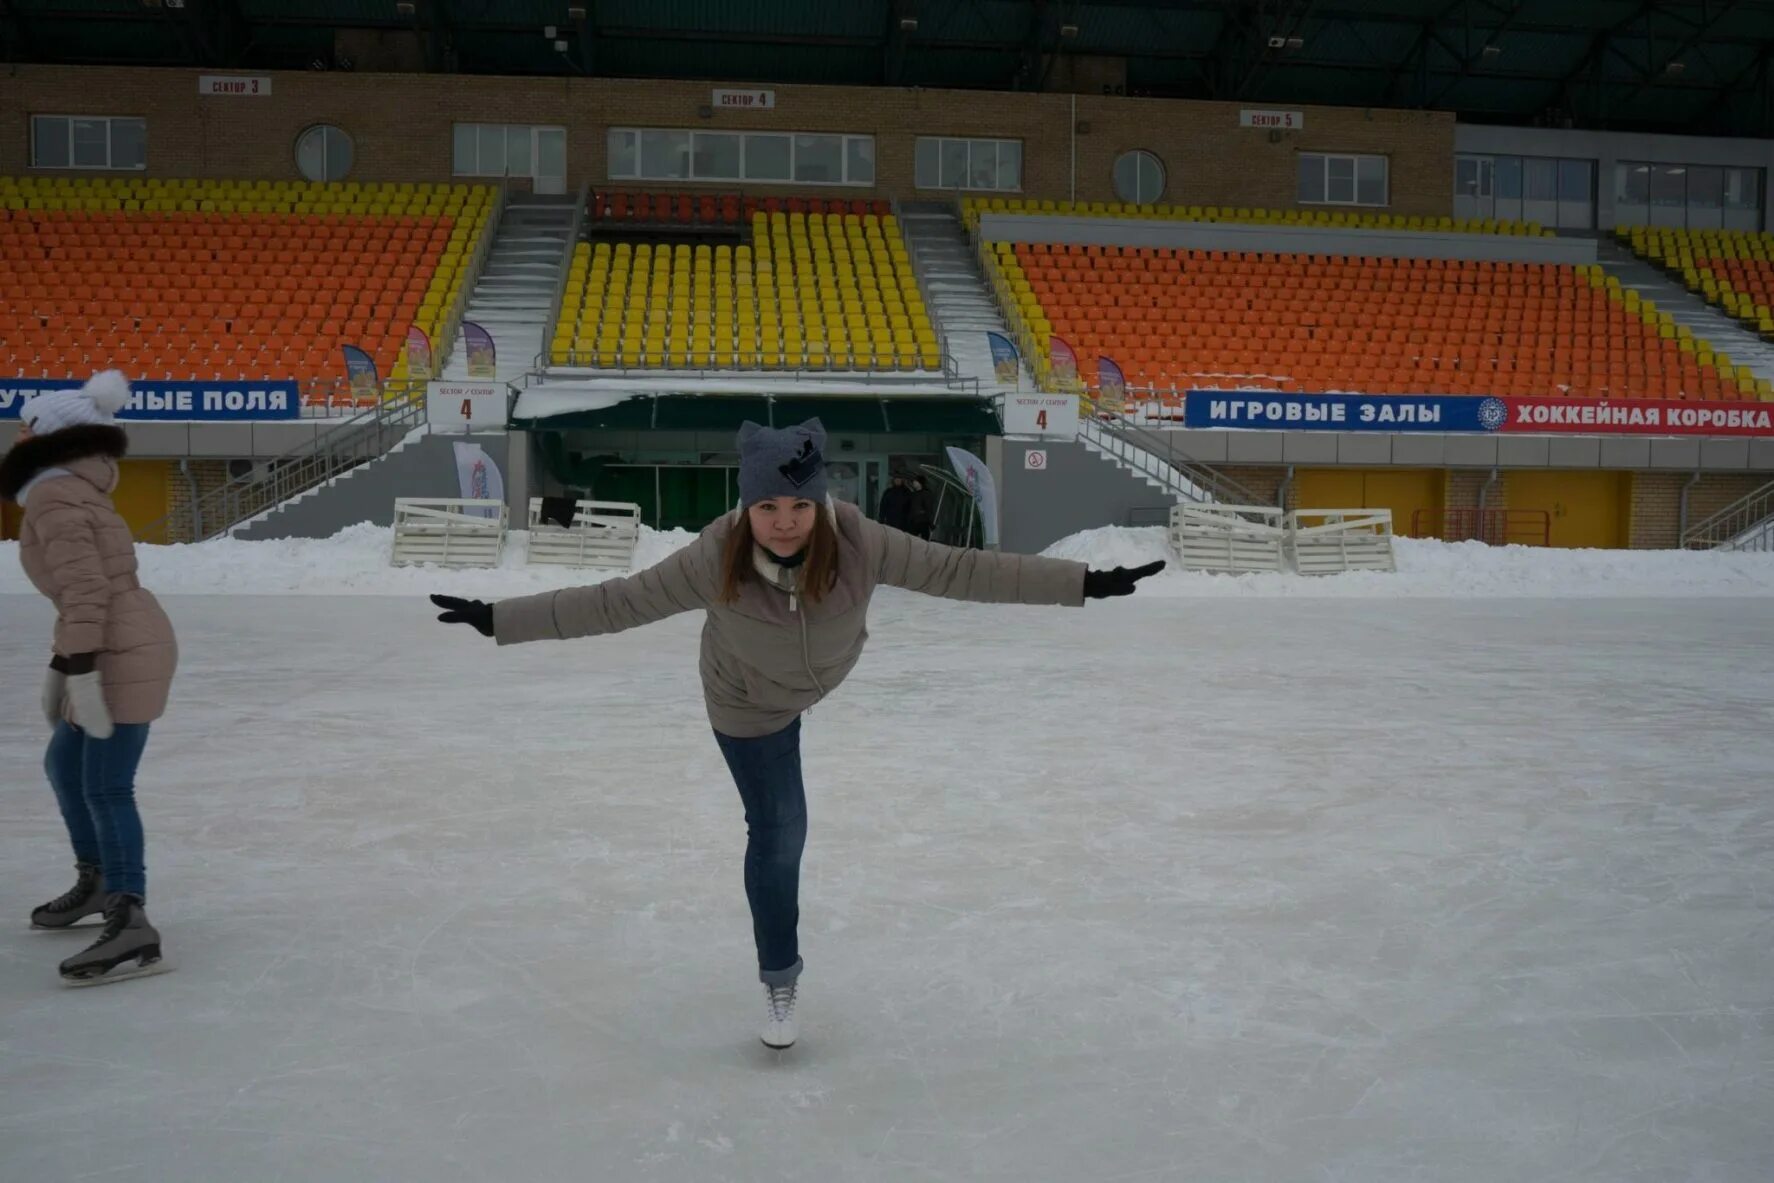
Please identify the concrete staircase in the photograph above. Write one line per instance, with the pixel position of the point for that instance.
(1701, 318)
(959, 297)
(514, 295)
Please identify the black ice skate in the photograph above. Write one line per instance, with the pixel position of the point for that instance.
(129, 947)
(85, 898)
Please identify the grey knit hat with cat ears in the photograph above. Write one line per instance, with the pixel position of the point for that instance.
(781, 462)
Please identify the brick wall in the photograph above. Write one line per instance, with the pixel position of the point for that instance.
(1657, 499)
(1263, 481)
(401, 125)
(1464, 490)
(208, 475)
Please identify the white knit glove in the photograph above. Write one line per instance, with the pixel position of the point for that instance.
(55, 690)
(87, 696)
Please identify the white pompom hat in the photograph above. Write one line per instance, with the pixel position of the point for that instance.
(95, 404)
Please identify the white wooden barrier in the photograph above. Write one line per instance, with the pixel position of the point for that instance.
(1231, 539)
(603, 534)
(448, 532)
(1328, 541)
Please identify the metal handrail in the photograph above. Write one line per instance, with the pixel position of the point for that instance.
(1156, 456)
(542, 359)
(331, 452)
(452, 325)
(1131, 456)
(1733, 521)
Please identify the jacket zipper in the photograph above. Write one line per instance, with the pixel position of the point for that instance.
(794, 586)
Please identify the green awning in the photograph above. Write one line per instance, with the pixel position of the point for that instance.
(912, 415)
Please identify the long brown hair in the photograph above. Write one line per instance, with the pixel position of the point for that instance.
(819, 573)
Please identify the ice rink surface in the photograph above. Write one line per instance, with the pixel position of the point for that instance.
(1266, 889)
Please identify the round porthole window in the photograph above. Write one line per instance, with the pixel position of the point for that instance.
(1139, 178)
(323, 153)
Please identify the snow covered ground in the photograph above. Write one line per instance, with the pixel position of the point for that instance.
(355, 562)
(1462, 874)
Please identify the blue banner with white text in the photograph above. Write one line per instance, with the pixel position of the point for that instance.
(240, 402)
(1258, 409)
(1272, 410)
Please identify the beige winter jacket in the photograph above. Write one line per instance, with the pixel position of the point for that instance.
(77, 551)
(770, 655)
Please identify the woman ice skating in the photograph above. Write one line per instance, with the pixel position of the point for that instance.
(786, 581)
(114, 656)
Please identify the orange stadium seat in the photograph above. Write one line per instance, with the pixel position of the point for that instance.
(209, 280)
(1175, 318)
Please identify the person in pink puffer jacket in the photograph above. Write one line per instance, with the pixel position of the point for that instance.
(114, 658)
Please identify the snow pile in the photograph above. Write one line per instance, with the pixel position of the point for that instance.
(1467, 570)
(356, 562)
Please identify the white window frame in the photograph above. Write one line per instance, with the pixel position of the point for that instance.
(998, 145)
(326, 129)
(528, 130)
(68, 131)
(1355, 159)
(845, 140)
(1141, 156)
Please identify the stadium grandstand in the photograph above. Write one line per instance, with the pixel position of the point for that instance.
(602, 235)
(1347, 422)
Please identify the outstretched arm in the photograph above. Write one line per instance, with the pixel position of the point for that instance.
(983, 576)
(682, 583)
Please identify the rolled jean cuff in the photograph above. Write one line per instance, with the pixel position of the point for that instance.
(780, 977)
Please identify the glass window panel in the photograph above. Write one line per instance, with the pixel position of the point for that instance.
(1507, 177)
(1139, 178)
(1574, 180)
(982, 164)
(92, 143)
(819, 159)
(859, 160)
(766, 158)
(1311, 178)
(1370, 180)
(49, 141)
(338, 153)
(954, 163)
(517, 151)
(1010, 164)
(620, 147)
(490, 161)
(715, 156)
(551, 152)
(1632, 183)
(1540, 179)
(665, 155)
(927, 167)
(311, 155)
(1669, 185)
(1465, 176)
(129, 143)
(1742, 188)
(466, 148)
(1706, 187)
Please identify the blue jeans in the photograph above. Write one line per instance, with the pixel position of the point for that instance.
(768, 773)
(94, 782)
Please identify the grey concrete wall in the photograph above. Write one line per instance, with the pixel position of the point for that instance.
(1608, 148)
(1078, 490)
(1309, 240)
(424, 468)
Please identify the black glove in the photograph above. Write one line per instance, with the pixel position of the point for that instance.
(1100, 585)
(474, 612)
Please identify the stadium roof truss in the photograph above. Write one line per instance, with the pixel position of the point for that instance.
(1652, 65)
